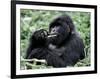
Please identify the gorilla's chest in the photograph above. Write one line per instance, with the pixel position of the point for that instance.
(51, 46)
(56, 50)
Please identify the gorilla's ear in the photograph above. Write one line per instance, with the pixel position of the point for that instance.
(68, 30)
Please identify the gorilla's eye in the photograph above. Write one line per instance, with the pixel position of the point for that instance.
(53, 30)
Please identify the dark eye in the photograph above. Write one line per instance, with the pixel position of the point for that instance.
(53, 30)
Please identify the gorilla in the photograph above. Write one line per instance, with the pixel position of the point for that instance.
(61, 46)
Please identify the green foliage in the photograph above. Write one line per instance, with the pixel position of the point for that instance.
(32, 20)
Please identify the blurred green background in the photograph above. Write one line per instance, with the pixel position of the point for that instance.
(31, 20)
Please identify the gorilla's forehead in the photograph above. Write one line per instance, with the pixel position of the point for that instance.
(58, 22)
(61, 20)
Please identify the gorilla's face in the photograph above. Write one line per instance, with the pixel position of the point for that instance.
(61, 29)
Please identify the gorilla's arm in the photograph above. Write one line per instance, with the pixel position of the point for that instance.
(55, 61)
(68, 55)
(62, 60)
(37, 40)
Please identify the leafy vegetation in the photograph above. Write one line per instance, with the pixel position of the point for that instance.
(32, 20)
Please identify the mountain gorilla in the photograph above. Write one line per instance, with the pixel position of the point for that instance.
(60, 47)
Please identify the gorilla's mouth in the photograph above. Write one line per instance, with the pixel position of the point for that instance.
(54, 38)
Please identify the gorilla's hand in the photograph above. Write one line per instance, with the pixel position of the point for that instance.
(40, 35)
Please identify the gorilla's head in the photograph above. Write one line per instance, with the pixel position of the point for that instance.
(62, 27)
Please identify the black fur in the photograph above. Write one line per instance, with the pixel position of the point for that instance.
(65, 49)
